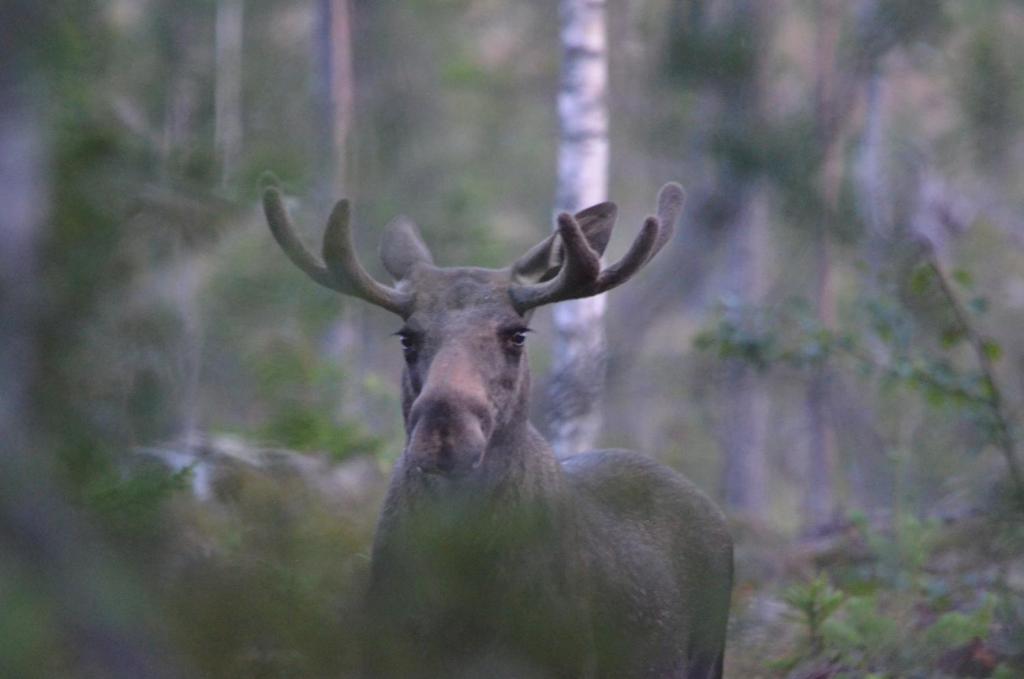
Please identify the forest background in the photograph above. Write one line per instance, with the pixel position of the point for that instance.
(196, 439)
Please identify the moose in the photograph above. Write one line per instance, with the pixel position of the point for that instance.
(492, 557)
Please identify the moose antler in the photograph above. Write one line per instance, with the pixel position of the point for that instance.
(581, 274)
(342, 271)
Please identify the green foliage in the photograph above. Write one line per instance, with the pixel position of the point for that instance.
(132, 503)
(1009, 617)
(886, 632)
(901, 556)
(302, 391)
(811, 605)
(920, 358)
(268, 583)
(864, 635)
(956, 628)
(723, 53)
(917, 602)
(127, 501)
(27, 624)
(306, 429)
(741, 338)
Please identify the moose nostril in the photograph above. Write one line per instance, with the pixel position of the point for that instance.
(448, 432)
(445, 462)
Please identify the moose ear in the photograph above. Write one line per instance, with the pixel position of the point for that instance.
(543, 260)
(402, 247)
(596, 222)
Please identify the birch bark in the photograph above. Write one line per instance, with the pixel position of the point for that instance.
(579, 350)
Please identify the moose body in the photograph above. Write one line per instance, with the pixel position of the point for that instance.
(492, 557)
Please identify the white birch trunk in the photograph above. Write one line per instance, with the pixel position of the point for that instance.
(579, 348)
(228, 94)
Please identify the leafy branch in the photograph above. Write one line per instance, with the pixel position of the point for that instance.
(986, 351)
(791, 335)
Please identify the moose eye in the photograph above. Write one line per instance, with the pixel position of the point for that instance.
(408, 341)
(516, 338)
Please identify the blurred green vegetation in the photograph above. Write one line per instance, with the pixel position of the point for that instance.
(166, 317)
(926, 600)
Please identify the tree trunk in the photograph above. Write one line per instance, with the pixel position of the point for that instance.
(744, 424)
(183, 97)
(819, 488)
(579, 360)
(44, 548)
(228, 95)
(870, 471)
(334, 83)
(22, 191)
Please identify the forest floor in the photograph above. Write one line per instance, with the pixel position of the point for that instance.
(897, 598)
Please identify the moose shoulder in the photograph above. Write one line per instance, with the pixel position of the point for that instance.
(492, 557)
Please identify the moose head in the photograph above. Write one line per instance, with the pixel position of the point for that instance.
(466, 380)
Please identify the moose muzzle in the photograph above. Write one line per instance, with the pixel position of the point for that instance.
(449, 431)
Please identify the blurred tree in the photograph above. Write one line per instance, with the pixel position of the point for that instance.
(820, 500)
(228, 130)
(24, 187)
(335, 85)
(63, 614)
(734, 38)
(578, 368)
(182, 152)
(744, 415)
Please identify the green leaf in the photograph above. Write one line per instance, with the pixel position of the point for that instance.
(963, 277)
(952, 336)
(705, 340)
(992, 349)
(921, 279)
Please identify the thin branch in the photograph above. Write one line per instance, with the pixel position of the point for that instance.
(994, 397)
